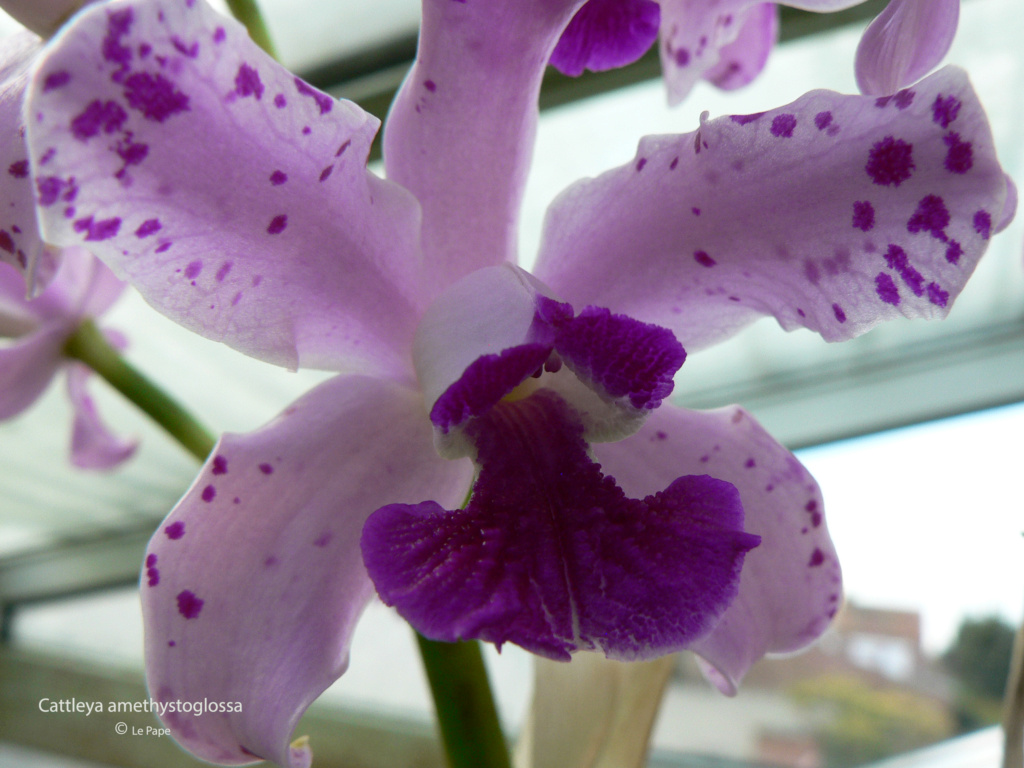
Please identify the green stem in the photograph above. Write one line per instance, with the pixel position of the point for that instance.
(465, 707)
(247, 12)
(89, 345)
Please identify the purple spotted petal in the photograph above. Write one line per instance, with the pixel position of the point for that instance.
(552, 556)
(93, 445)
(740, 61)
(904, 43)
(42, 16)
(461, 130)
(790, 586)
(233, 195)
(27, 365)
(20, 243)
(833, 213)
(725, 41)
(605, 34)
(252, 586)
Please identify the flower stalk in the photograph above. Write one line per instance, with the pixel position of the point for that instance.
(247, 12)
(89, 345)
(466, 713)
(1013, 707)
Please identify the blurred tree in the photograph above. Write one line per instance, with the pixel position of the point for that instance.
(979, 660)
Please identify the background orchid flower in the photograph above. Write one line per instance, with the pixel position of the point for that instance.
(237, 199)
(21, 245)
(36, 331)
(904, 43)
(726, 43)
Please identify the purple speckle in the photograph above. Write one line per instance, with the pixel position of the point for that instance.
(99, 230)
(897, 259)
(695, 211)
(983, 224)
(673, 164)
(191, 51)
(839, 313)
(931, 216)
(682, 57)
(220, 465)
(152, 573)
(811, 505)
(148, 227)
(209, 493)
(277, 224)
(144, 50)
(248, 83)
(266, 469)
(154, 96)
(890, 162)
(106, 116)
(342, 148)
(189, 605)
(886, 289)
(171, 643)
(882, 101)
(326, 173)
(801, 312)
(56, 80)
(306, 130)
(811, 272)
(945, 110)
(131, 152)
(745, 119)
(641, 163)
(661, 435)
(193, 269)
(783, 126)
(175, 530)
(280, 101)
(703, 259)
(219, 35)
(6, 241)
(118, 25)
(823, 120)
(953, 252)
(815, 519)
(223, 271)
(430, 85)
(937, 296)
(323, 539)
(164, 246)
(817, 558)
(904, 98)
(863, 215)
(959, 157)
(323, 101)
(257, 280)
(750, 463)
(278, 177)
(19, 169)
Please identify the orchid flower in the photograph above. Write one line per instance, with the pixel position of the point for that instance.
(237, 199)
(37, 331)
(725, 42)
(905, 42)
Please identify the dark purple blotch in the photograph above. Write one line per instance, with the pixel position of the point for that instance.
(189, 605)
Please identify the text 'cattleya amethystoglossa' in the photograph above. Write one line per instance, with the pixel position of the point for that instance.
(237, 199)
